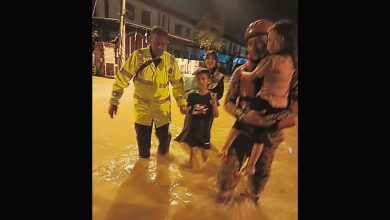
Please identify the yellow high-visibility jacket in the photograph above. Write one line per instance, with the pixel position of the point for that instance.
(151, 86)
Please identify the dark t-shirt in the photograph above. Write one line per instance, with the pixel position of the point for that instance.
(200, 117)
(199, 105)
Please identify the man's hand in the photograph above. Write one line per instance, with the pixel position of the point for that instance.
(183, 109)
(112, 109)
(284, 115)
(276, 137)
(258, 119)
(286, 119)
(286, 123)
(249, 66)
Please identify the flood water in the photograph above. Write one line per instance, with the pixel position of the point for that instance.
(127, 187)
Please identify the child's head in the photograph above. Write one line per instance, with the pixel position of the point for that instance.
(202, 76)
(282, 38)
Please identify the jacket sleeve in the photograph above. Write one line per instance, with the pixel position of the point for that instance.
(233, 93)
(123, 77)
(293, 93)
(177, 83)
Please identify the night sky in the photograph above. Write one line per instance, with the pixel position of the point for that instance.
(237, 14)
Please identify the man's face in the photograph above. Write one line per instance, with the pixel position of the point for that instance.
(257, 47)
(158, 44)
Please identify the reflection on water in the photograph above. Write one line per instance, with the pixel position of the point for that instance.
(128, 187)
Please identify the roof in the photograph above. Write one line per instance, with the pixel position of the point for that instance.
(173, 38)
(170, 11)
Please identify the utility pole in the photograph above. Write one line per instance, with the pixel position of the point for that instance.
(94, 7)
(122, 30)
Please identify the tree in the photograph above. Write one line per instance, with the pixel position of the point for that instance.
(95, 36)
(210, 30)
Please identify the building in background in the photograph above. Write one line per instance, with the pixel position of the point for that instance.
(141, 17)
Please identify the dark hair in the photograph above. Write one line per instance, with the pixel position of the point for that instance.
(200, 71)
(214, 54)
(288, 31)
(159, 31)
(211, 53)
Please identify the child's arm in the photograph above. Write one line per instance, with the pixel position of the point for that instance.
(229, 140)
(214, 103)
(261, 70)
(256, 152)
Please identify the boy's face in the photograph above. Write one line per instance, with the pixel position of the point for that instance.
(203, 80)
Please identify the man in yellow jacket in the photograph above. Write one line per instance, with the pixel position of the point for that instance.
(152, 70)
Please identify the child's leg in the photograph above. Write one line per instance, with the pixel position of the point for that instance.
(256, 152)
(192, 157)
(234, 132)
(205, 156)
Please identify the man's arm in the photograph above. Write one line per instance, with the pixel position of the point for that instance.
(230, 105)
(260, 71)
(232, 95)
(177, 83)
(122, 79)
(293, 95)
(292, 112)
(276, 137)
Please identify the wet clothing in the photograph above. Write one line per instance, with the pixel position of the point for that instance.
(198, 119)
(258, 134)
(216, 86)
(144, 137)
(152, 101)
(277, 71)
(242, 145)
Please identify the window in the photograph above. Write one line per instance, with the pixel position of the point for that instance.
(195, 35)
(178, 28)
(188, 33)
(145, 17)
(168, 22)
(163, 21)
(106, 9)
(176, 53)
(130, 15)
